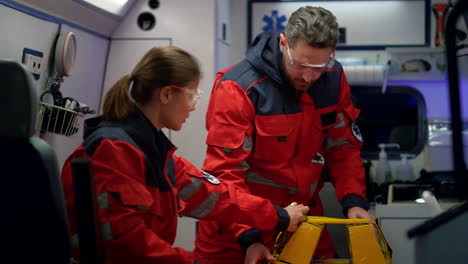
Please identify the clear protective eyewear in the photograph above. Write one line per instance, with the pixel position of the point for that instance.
(195, 94)
(307, 66)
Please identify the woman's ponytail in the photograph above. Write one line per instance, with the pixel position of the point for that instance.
(117, 102)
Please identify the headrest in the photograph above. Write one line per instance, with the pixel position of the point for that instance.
(18, 107)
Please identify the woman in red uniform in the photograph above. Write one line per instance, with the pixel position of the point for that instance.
(141, 184)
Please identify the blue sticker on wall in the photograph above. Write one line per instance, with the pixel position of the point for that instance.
(274, 22)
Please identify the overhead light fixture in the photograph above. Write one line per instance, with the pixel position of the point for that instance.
(114, 7)
(119, 2)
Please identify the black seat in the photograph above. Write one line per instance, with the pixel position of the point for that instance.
(34, 223)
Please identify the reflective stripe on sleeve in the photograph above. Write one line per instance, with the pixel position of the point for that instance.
(341, 123)
(106, 230)
(75, 242)
(205, 207)
(103, 200)
(243, 166)
(190, 189)
(256, 178)
(106, 235)
(331, 143)
(248, 144)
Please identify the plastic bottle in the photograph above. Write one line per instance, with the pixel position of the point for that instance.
(383, 171)
(405, 171)
(432, 205)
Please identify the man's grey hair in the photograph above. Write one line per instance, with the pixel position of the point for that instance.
(315, 25)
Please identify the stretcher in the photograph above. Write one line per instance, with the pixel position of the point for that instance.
(364, 246)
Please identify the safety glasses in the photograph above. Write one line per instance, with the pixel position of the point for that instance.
(307, 66)
(194, 94)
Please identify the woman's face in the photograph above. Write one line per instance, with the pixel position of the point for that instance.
(184, 101)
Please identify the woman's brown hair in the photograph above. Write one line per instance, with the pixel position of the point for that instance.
(159, 67)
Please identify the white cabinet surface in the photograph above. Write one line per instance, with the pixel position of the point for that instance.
(395, 220)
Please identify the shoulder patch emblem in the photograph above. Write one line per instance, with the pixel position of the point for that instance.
(356, 132)
(210, 178)
(318, 158)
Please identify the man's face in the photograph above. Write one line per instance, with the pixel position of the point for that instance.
(303, 63)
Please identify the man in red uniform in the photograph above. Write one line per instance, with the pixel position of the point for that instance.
(274, 120)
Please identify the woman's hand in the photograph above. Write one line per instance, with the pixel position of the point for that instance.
(297, 214)
(257, 252)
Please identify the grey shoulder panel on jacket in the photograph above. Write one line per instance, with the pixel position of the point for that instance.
(243, 74)
(114, 133)
(326, 90)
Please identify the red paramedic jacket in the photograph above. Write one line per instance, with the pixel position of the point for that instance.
(273, 141)
(142, 186)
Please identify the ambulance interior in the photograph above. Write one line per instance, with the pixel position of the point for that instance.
(399, 76)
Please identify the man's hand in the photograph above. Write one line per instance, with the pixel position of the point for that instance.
(297, 214)
(257, 252)
(359, 213)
